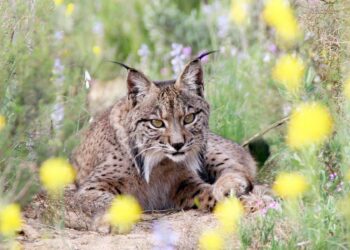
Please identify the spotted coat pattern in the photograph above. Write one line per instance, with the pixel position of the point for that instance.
(175, 166)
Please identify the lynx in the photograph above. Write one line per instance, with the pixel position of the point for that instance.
(155, 144)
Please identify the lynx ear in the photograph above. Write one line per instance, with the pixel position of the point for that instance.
(138, 86)
(191, 78)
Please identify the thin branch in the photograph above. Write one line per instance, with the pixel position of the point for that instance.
(264, 131)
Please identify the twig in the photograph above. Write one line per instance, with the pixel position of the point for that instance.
(272, 126)
(303, 243)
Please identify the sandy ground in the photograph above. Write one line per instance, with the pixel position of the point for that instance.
(182, 228)
(186, 227)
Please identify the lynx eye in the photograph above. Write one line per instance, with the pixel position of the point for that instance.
(157, 123)
(189, 118)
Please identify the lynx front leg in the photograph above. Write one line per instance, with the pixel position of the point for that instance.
(94, 198)
(229, 176)
(230, 168)
(236, 182)
(191, 193)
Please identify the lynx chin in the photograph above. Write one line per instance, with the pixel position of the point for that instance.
(155, 144)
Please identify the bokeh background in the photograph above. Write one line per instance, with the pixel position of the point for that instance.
(50, 50)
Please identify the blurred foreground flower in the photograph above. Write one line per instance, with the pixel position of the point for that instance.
(55, 174)
(239, 11)
(347, 88)
(289, 71)
(164, 237)
(229, 212)
(290, 185)
(124, 212)
(96, 50)
(211, 240)
(310, 123)
(69, 9)
(58, 2)
(279, 15)
(2, 122)
(10, 220)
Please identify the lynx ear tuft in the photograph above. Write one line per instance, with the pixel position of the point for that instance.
(122, 64)
(204, 54)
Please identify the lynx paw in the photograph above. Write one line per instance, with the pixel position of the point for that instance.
(229, 182)
(101, 224)
(206, 200)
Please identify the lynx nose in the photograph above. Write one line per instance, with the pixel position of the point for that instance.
(178, 146)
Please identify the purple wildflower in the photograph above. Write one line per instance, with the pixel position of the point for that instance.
(186, 51)
(57, 72)
(274, 205)
(223, 25)
(210, 9)
(272, 48)
(57, 115)
(332, 176)
(98, 28)
(59, 35)
(143, 51)
(164, 237)
(178, 58)
(58, 66)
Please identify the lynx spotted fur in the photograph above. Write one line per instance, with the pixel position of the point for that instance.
(155, 144)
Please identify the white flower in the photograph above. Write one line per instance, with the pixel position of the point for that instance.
(87, 79)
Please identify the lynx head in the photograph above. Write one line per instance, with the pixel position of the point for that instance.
(167, 120)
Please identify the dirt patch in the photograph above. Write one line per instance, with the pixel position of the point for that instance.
(181, 229)
(185, 228)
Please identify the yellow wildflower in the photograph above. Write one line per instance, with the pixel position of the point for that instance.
(347, 88)
(228, 212)
(69, 9)
(310, 123)
(2, 122)
(211, 240)
(289, 71)
(279, 15)
(124, 212)
(10, 220)
(55, 174)
(58, 2)
(96, 50)
(239, 11)
(290, 185)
